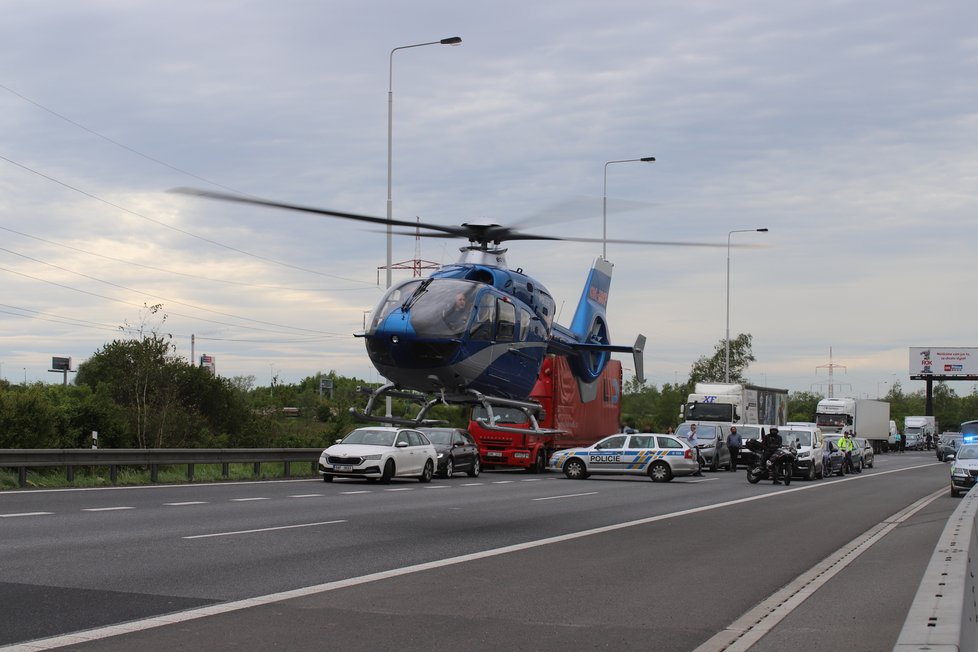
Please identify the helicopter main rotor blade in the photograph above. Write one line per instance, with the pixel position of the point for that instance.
(667, 243)
(241, 199)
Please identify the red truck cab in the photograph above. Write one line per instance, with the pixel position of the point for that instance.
(583, 413)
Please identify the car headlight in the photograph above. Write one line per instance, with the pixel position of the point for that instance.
(441, 455)
(804, 455)
(372, 457)
(960, 473)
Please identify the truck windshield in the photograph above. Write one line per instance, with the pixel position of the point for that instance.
(831, 420)
(512, 416)
(709, 412)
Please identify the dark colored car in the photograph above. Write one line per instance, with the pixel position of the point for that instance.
(456, 449)
(858, 463)
(832, 459)
(948, 442)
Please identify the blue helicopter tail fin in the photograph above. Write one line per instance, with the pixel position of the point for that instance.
(590, 317)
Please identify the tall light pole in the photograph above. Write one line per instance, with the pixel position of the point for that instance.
(604, 205)
(453, 40)
(726, 364)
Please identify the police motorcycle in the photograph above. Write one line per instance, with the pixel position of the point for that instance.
(779, 467)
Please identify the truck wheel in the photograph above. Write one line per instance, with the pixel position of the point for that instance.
(575, 469)
(660, 472)
(539, 464)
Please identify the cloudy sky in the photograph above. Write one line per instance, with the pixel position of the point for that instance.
(848, 128)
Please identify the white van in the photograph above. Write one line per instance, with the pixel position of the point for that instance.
(807, 440)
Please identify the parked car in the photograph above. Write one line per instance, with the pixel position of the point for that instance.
(456, 450)
(833, 460)
(868, 456)
(712, 445)
(808, 442)
(380, 453)
(949, 442)
(661, 457)
(749, 431)
(857, 453)
(964, 469)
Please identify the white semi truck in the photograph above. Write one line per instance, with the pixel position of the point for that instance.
(736, 403)
(916, 429)
(867, 418)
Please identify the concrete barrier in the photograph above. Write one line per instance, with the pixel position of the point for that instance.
(944, 613)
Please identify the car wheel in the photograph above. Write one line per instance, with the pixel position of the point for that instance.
(449, 468)
(811, 472)
(388, 472)
(327, 477)
(476, 467)
(954, 492)
(575, 469)
(715, 464)
(429, 470)
(660, 472)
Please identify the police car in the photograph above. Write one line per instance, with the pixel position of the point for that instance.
(964, 469)
(659, 456)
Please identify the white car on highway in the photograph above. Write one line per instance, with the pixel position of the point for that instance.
(380, 453)
(659, 456)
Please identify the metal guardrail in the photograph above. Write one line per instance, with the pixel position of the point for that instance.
(944, 613)
(69, 458)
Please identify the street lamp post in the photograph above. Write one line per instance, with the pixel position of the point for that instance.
(454, 40)
(726, 364)
(604, 205)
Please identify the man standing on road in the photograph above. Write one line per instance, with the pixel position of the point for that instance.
(734, 443)
(846, 445)
(694, 444)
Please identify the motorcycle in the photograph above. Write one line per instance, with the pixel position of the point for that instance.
(779, 468)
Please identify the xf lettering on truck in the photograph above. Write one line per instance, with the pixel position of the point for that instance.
(606, 458)
(709, 399)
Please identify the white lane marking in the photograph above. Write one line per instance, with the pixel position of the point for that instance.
(400, 489)
(227, 607)
(189, 502)
(264, 529)
(306, 495)
(503, 481)
(247, 500)
(353, 493)
(472, 484)
(531, 480)
(26, 514)
(747, 630)
(437, 486)
(106, 509)
(589, 493)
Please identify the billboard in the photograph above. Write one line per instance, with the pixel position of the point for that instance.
(943, 361)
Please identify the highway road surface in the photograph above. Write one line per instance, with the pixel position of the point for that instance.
(503, 561)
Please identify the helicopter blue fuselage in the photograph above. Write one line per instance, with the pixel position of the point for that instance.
(465, 327)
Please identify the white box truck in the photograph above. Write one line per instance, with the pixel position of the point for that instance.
(736, 403)
(916, 429)
(865, 417)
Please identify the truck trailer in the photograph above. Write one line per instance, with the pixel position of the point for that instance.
(736, 403)
(574, 413)
(865, 417)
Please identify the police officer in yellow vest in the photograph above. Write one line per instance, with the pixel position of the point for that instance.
(847, 445)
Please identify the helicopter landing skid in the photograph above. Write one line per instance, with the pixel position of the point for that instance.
(531, 409)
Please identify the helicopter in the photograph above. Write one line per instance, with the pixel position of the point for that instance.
(476, 332)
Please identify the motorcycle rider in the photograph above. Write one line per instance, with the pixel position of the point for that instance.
(772, 442)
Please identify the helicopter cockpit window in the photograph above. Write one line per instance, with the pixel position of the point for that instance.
(507, 321)
(395, 296)
(525, 318)
(441, 307)
(485, 316)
